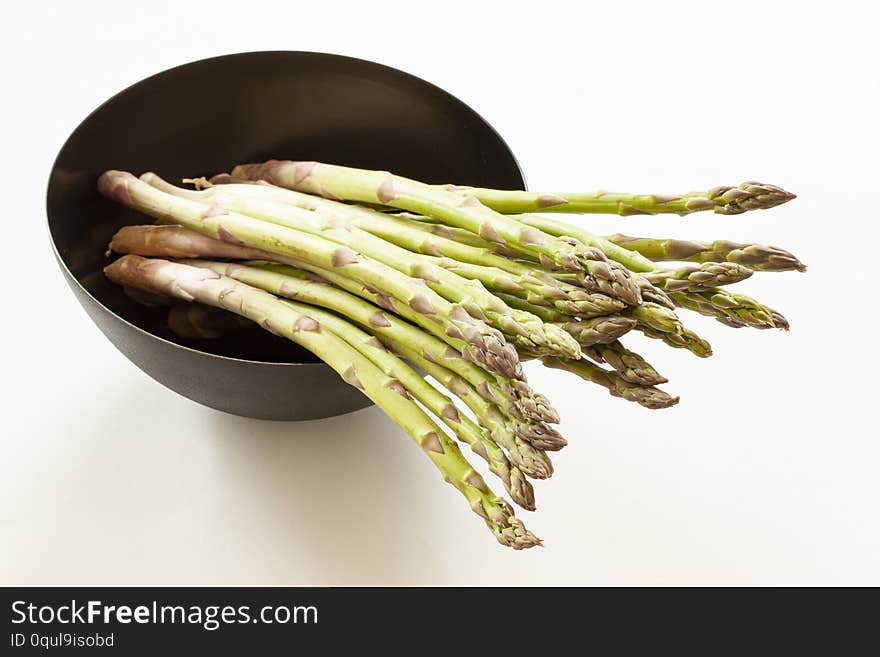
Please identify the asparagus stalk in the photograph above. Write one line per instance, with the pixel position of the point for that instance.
(758, 257)
(402, 228)
(528, 408)
(723, 200)
(687, 339)
(514, 396)
(674, 335)
(440, 405)
(650, 318)
(632, 260)
(580, 303)
(632, 371)
(431, 225)
(619, 251)
(204, 286)
(529, 411)
(631, 367)
(731, 309)
(545, 313)
(495, 271)
(172, 241)
(383, 188)
(523, 404)
(599, 330)
(455, 208)
(736, 310)
(520, 401)
(503, 429)
(503, 274)
(605, 282)
(646, 396)
(662, 323)
(562, 296)
(521, 328)
(698, 277)
(474, 338)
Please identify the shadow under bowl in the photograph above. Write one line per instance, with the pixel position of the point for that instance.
(203, 118)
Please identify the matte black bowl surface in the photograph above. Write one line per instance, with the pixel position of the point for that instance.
(202, 118)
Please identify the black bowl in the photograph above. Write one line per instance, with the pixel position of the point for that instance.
(203, 118)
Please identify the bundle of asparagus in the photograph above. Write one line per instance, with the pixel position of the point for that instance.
(381, 276)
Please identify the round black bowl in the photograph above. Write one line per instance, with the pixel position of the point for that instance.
(203, 118)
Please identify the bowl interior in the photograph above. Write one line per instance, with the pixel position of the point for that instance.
(205, 117)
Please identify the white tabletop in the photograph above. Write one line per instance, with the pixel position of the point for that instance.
(765, 473)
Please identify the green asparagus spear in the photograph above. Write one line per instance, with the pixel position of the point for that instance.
(731, 309)
(698, 277)
(205, 286)
(631, 367)
(513, 395)
(528, 410)
(450, 322)
(545, 313)
(288, 282)
(455, 208)
(599, 330)
(521, 328)
(561, 296)
(383, 188)
(512, 435)
(758, 257)
(659, 322)
(722, 200)
(736, 310)
(632, 260)
(496, 272)
(176, 241)
(646, 396)
(440, 405)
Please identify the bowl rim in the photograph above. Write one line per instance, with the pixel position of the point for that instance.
(73, 279)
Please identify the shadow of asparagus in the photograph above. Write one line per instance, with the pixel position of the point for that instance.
(338, 492)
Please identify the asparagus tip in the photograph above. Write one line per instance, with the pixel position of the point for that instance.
(516, 536)
(751, 195)
(779, 320)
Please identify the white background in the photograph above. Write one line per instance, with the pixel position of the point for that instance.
(766, 473)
